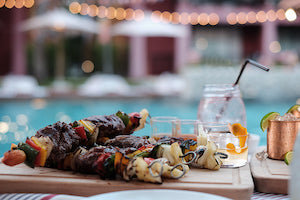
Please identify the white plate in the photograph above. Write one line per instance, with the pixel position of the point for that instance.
(156, 194)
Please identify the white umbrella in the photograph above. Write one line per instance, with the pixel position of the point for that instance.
(149, 28)
(61, 20)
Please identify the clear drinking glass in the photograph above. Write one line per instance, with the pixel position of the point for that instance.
(222, 103)
(186, 129)
(236, 147)
(161, 126)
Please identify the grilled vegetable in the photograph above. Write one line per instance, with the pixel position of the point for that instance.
(207, 157)
(30, 152)
(14, 157)
(137, 167)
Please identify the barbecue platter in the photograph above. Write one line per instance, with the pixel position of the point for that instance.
(105, 145)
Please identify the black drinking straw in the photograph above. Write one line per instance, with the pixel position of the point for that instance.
(252, 62)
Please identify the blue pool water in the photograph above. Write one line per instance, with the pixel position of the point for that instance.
(22, 118)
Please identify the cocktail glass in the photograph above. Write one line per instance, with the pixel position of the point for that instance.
(236, 147)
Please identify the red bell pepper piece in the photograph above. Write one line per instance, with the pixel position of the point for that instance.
(99, 164)
(81, 132)
(36, 147)
(135, 118)
(148, 160)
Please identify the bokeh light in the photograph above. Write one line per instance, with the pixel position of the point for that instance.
(261, 16)
(38, 103)
(251, 16)
(2, 3)
(231, 18)
(28, 3)
(4, 127)
(129, 12)
(194, 18)
(184, 18)
(155, 16)
(10, 3)
(280, 14)
(213, 19)
(87, 66)
(121, 14)
(84, 9)
(13, 127)
(175, 16)
(102, 12)
(166, 17)
(275, 47)
(93, 10)
(201, 43)
(242, 18)
(75, 7)
(271, 15)
(19, 3)
(111, 13)
(203, 19)
(21, 119)
(290, 14)
(139, 15)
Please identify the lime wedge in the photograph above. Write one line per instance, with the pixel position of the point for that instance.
(264, 123)
(288, 157)
(294, 108)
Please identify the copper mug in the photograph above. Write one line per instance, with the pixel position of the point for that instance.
(281, 136)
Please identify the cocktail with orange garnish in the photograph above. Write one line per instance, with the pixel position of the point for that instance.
(231, 140)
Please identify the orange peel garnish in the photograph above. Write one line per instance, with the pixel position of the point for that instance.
(241, 132)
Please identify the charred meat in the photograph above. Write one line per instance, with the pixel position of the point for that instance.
(123, 141)
(64, 138)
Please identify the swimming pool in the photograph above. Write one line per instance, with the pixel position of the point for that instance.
(22, 118)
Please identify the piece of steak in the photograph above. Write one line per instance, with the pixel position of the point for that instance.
(65, 140)
(109, 125)
(124, 141)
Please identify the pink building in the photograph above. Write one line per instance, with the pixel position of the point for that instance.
(227, 42)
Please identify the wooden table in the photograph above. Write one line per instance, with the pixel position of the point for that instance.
(270, 176)
(231, 183)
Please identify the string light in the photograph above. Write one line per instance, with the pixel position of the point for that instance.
(213, 19)
(93, 11)
(203, 19)
(251, 16)
(280, 14)
(28, 3)
(19, 3)
(178, 18)
(75, 7)
(231, 18)
(261, 16)
(184, 18)
(175, 16)
(290, 14)
(271, 15)
(242, 18)
(2, 3)
(129, 14)
(16, 3)
(84, 9)
(10, 3)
